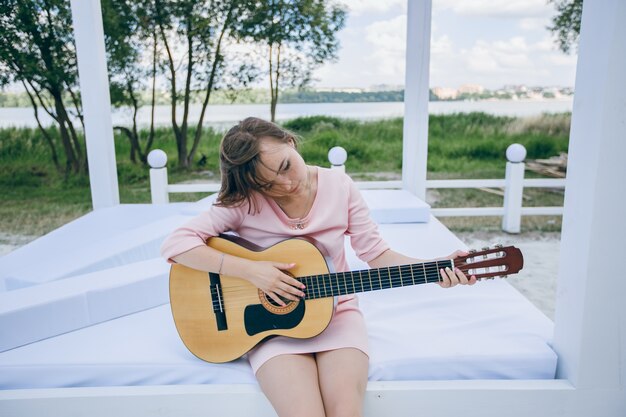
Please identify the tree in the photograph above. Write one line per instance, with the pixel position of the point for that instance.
(37, 50)
(194, 34)
(130, 36)
(566, 23)
(297, 35)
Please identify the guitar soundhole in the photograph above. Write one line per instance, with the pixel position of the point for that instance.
(273, 307)
(275, 304)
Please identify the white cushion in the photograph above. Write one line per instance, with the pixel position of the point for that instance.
(396, 206)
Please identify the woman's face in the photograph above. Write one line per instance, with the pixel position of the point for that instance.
(282, 168)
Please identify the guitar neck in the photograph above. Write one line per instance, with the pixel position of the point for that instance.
(351, 282)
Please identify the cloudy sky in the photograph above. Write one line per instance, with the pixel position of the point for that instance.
(487, 42)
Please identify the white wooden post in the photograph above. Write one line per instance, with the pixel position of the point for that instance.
(416, 95)
(590, 332)
(337, 157)
(514, 188)
(157, 159)
(94, 92)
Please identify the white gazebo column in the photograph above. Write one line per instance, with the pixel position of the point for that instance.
(94, 90)
(416, 95)
(590, 331)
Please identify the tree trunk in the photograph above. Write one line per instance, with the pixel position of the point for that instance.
(274, 88)
(71, 164)
(216, 61)
(181, 145)
(153, 101)
(43, 131)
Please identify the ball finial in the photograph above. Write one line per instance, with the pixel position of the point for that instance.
(337, 156)
(516, 153)
(157, 158)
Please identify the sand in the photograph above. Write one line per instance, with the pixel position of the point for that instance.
(537, 280)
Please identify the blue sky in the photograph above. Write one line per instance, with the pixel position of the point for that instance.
(487, 42)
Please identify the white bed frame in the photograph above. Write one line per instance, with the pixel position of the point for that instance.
(590, 322)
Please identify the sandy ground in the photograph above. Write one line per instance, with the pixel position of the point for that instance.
(537, 281)
(10, 242)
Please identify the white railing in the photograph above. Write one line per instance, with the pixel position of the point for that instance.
(513, 185)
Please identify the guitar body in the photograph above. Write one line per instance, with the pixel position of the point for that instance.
(220, 318)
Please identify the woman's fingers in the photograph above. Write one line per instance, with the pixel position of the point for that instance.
(293, 285)
(451, 278)
(276, 298)
(284, 286)
(289, 291)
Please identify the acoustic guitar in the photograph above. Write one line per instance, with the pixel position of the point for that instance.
(220, 318)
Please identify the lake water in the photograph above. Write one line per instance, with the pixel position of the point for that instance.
(222, 116)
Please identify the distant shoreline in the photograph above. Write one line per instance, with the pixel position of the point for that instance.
(283, 102)
(261, 96)
(220, 116)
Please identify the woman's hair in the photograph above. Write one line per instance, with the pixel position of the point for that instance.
(239, 160)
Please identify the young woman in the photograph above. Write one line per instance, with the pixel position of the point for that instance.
(269, 194)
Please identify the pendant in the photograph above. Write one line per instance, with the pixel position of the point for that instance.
(298, 225)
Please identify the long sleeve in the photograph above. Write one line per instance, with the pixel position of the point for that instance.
(195, 232)
(363, 231)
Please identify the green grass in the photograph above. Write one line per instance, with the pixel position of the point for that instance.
(37, 198)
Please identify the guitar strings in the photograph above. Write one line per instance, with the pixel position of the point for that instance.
(237, 297)
(395, 278)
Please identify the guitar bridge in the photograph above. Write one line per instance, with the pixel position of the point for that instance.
(217, 299)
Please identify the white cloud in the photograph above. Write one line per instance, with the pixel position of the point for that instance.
(531, 24)
(495, 8)
(386, 43)
(521, 53)
(514, 61)
(441, 46)
(358, 7)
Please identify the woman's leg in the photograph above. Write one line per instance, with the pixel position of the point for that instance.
(290, 383)
(342, 379)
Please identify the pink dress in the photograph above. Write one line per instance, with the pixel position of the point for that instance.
(338, 210)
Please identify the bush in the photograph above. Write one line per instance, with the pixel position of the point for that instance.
(307, 124)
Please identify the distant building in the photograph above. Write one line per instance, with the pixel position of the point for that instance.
(516, 88)
(385, 87)
(471, 89)
(339, 90)
(445, 93)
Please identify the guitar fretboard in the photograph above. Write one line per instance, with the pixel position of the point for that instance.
(350, 282)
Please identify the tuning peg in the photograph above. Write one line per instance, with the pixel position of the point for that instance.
(472, 251)
(499, 246)
(504, 276)
(486, 248)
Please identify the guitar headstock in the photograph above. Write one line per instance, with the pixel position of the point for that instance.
(499, 261)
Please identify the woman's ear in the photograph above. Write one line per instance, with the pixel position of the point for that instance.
(292, 142)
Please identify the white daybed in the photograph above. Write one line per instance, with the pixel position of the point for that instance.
(106, 322)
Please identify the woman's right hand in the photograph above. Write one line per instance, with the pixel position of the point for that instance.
(270, 278)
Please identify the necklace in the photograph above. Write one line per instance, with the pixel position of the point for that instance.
(299, 223)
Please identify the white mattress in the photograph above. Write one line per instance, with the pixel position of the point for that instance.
(423, 332)
(112, 328)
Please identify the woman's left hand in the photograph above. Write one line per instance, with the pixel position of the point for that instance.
(450, 278)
